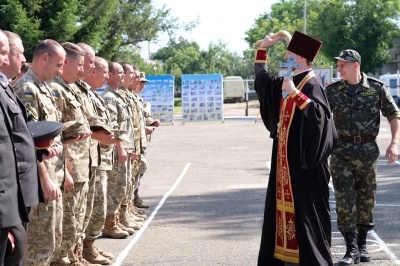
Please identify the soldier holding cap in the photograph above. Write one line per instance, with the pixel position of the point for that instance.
(76, 153)
(357, 101)
(45, 218)
(124, 154)
(297, 222)
(98, 118)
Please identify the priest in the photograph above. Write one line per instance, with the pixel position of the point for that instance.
(295, 111)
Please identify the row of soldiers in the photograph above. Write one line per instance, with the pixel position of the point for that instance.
(91, 182)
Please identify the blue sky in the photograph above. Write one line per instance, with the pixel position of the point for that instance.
(224, 20)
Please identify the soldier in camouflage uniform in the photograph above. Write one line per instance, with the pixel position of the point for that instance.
(76, 152)
(45, 218)
(127, 217)
(356, 102)
(149, 125)
(125, 154)
(95, 108)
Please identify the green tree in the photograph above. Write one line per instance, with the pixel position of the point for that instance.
(134, 22)
(367, 26)
(19, 17)
(107, 26)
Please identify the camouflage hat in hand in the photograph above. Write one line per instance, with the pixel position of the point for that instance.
(98, 123)
(73, 129)
(349, 56)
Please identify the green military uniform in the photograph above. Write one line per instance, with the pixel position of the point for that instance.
(119, 178)
(354, 160)
(77, 161)
(45, 218)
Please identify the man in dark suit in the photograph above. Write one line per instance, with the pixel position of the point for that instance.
(12, 208)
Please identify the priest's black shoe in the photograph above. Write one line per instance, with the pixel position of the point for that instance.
(352, 255)
(362, 245)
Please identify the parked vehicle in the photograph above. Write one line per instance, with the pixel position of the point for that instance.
(233, 88)
(392, 82)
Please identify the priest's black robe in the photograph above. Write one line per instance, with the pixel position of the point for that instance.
(311, 139)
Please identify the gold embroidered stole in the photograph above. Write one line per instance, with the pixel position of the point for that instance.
(286, 248)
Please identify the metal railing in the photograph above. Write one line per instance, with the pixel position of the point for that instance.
(246, 82)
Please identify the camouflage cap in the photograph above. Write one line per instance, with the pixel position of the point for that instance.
(143, 77)
(349, 56)
(98, 123)
(73, 129)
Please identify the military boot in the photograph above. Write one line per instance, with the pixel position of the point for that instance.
(108, 255)
(81, 259)
(91, 254)
(130, 231)
(352, 255)
(111, 228)
(126, 219)
(362, 245)
(140, 203)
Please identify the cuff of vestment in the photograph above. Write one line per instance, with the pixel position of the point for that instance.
(300, 99)
(261, 55)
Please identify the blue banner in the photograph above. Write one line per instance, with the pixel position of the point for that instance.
(202, 97)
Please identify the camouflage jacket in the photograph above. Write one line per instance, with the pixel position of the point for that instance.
(139, 103)
(136, 119)
(77, 155)
(121, 112)
(38, 99)
(106, 151)
(358, 113)
(83, 89)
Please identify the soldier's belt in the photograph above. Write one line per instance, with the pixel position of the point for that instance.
(357, 139)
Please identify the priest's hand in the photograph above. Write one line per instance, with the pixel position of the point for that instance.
(288, 86)
(268, 41)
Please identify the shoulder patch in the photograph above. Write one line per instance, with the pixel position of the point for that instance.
(375, 79)
(56, 96)
(28, 94)
(334, 82)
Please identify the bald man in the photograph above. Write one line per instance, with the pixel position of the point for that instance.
(118, 178)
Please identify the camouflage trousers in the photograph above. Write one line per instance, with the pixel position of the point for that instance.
(119, 180)
(131, 185)
(90, 197)
(99, 198)
(45, 232)
(74, 213)
(353, 168)
(142, 168)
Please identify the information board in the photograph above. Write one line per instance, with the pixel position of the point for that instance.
(159, 91)
(202, 97)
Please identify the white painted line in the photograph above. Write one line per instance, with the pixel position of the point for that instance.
(130, 245)
(385, 248)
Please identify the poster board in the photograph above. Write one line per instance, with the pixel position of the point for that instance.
(324, 75)
(202, 97)
(159, 91)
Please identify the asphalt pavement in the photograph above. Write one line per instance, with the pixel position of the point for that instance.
(206, 185)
